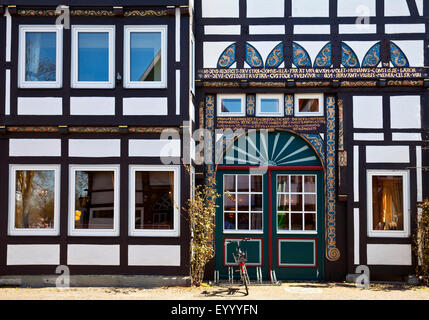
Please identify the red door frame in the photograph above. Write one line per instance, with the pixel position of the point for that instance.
(270, 195)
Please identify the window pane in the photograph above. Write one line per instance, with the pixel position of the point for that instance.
(256, 221)
(256, 202)
(145, 56)
(387, 203)
(282, 183)
(283, 202)
(231, 105)
(296, 183)
(34, 199)
(229, 202)
(94, 199)
(229, 183)
(40, 56)
(256, 183)
(243, 221)
(155, 196)
(243, 202)
(310, 202)
(283, 221)
(310, 221)
(229, 220)
(308, 105)
(269, 105)
(296, 221)
(243, 183)
(310, 183)
(296, 202)
(93, 56)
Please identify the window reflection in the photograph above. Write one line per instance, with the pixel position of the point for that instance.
(94, 200)
(154, 199)
(145, 56)
(34, 199)
(40, 56)
(93, 56)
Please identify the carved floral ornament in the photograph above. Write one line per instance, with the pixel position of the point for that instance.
(92, 12)
(302, 59)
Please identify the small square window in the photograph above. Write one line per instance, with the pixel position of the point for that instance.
(269, 105)
(93, 56)
(145, 57)
(40, 56)
(34, 200)
(309, 105)
(388, 203)
(231, 105)
(154, 201)
(94, 200)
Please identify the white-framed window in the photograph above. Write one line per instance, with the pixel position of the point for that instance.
(269, 105)
(388, 205)
(231, 105)
(94, 200)
(145, 56)
(296, 203)
(93, 56)
(309, 105)
(34, 200)
(154, 200)
(243, 203)
(40, 56)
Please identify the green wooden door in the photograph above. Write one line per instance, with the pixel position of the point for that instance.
(297, 224)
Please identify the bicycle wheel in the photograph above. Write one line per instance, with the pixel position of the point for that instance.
(245, 278)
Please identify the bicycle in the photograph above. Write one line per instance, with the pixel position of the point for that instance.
(240, 258)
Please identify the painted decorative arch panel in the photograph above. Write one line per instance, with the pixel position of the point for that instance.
(349, 58)
(253, 57)
(324, 57)
(227, 57)
(373, 56)
(263, 148)
(276, 57)
(397, 56)
(300, 56)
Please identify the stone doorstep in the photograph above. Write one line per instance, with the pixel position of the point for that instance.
(96, 281)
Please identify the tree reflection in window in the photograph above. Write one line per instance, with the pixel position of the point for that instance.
(34, 199)
(40, 56)
(94, 200)
(154, 199)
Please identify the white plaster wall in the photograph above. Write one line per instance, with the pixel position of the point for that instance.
(413, 49)
(95, 148)
(92, 106)
(222, 30)
(389, 254)
(40, 106)
(368, 112)
(220, 8)
(33, 254)
(310, 8)
(405, 112)
(356, 173)
(387, 154)
(154, 148)
(311, 29)
(356, 8)
(266, 29)
(212, 52)
(35, 147)
(94, 255)
(153, 255)
(370, 136)
(396, 8)
(145, 106)
(356, 251)
(406, 136)
(405, 28)
(357, 28)
(269, 9)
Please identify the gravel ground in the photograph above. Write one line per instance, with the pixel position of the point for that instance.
(287, 291)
